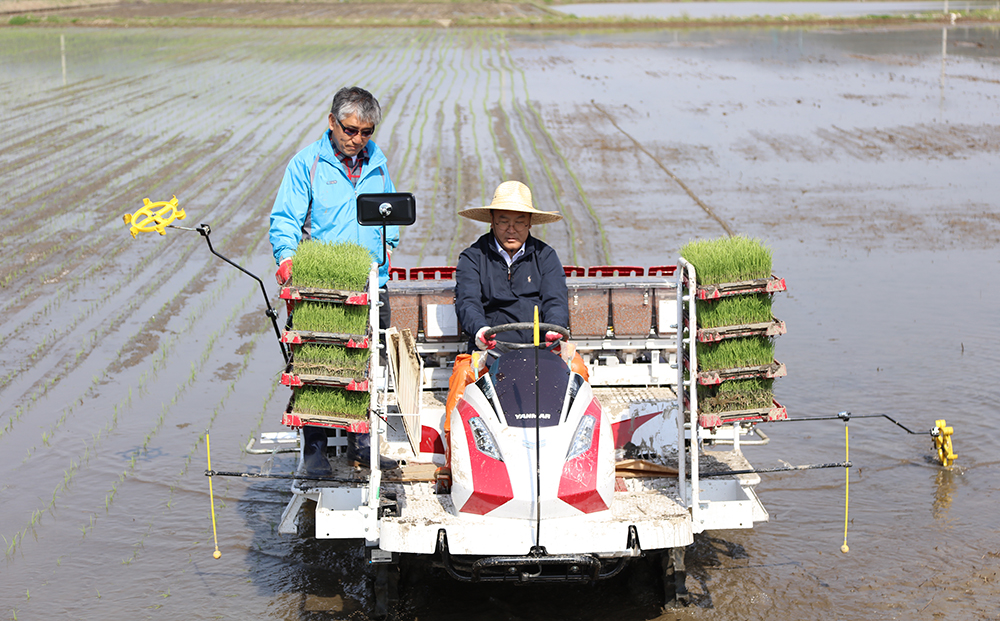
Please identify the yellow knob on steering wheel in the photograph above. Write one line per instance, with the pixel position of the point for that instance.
(154, 216)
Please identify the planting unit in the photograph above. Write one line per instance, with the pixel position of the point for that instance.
(511, 511)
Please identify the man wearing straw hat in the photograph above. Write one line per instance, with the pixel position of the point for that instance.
(507, 272)
(502, 277)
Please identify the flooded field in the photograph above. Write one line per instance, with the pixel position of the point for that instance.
(862, 157)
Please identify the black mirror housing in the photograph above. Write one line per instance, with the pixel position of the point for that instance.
(395, 209)
(390, 209)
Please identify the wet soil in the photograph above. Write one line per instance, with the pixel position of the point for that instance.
(104, 13)
(278, 11)
(864, 159)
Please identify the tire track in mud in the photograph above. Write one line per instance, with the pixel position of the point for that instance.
(460, 189)
(447, 181)
(430, 229)
(581, 227)
(469, 192)
(415, 173)
(708, 210)
(408, 122)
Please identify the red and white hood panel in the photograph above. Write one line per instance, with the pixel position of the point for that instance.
(577, 461)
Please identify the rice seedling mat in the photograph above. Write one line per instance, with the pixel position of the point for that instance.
(294, 417)
(717, 376)
(774, 327)
(314, 294)
(742, 287)
(301, 337)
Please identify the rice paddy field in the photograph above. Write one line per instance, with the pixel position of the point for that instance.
(864, 159)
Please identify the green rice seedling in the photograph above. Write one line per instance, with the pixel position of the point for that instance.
(734, 310)
(338, 318)
(331, 266)
(332, 401)
(748, 394)
(728, 259)
(331, 360)
(735, 353)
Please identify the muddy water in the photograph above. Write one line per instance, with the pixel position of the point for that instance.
(864, 158)
(706, 10)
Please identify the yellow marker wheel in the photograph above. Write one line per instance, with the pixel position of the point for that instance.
(154, 216)
(942, 443)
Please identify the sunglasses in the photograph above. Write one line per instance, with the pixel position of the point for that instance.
(353, 131)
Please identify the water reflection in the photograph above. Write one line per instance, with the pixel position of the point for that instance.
(946, 482)
(708, 10)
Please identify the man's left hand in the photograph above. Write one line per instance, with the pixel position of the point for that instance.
(553, 338)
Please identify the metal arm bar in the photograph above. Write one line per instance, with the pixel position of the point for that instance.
(205, 231)
(846, 416)
(839, 464)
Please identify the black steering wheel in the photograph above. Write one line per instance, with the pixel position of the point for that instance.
(526, 325)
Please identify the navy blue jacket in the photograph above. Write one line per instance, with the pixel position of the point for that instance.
(488, 294)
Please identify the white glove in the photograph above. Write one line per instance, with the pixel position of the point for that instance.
(482, 342)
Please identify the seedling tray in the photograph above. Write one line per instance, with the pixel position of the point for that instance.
(717, 376)
(313, 294)
(743, 287)
(774, 327)
(716, 419)
(293, 418)
(301, 337)
(294, 380)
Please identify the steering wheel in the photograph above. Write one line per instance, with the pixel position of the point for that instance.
(527, 325)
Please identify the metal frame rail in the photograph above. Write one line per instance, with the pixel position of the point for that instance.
(687, 360)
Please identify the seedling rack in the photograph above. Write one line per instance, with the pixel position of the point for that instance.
(294, 418)
(717, 419)
(302, 337)
(743, 287)
(775, 327)
(290, 378)
(313, 294)
(717, 376)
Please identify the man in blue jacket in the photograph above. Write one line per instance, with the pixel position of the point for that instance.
(318, 199)
(317, 196)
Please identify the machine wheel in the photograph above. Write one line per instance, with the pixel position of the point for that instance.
(675, 593)
(386, 590)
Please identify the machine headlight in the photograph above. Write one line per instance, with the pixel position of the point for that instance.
(583, 437)
(484, 439)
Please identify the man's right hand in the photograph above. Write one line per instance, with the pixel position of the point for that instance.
(284, 273)
(482, 342)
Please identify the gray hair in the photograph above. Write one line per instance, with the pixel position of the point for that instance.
(357, 101)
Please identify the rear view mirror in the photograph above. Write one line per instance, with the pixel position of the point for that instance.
(399, 209)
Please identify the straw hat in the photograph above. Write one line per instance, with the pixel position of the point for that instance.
(511, 196)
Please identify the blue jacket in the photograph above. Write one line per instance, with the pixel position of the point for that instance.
(316, 200)
(487, 293)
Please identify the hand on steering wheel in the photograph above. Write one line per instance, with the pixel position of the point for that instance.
(559, 333)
